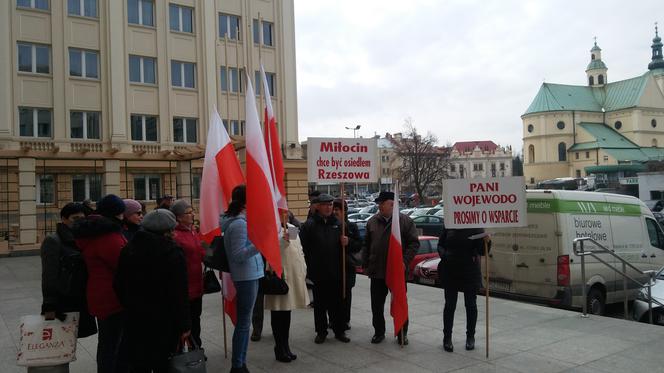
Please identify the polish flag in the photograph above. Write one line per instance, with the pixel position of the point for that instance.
(395, 271)
(262, 214)
(274, 149)
(221, 173)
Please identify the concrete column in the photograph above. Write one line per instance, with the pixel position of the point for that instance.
(183, 177)
(27, 201)
(117, 73)
(112, 177)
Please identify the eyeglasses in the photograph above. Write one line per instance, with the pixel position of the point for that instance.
(192, 212)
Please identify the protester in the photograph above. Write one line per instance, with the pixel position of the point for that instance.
(354, 247)
(133, 215)
(459, 270)
(151, 283)
(99, 236)
(313, 195)
(64, 276)
(246, 267)
(194, 252)
(164, 202)
(322, 238)
(88, 207)
(374, 260)
(294, 273)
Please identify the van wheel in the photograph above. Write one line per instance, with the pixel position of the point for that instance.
(596, 302)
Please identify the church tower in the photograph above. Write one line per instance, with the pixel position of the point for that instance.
(657, 59)
(596, 70)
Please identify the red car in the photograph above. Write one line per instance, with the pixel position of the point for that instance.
(428, 250)
(426, 272)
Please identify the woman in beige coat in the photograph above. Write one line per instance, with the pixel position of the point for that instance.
(295, 271)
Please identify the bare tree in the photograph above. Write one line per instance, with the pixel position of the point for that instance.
(424, 164)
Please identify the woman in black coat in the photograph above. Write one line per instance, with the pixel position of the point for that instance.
(151, 283)
(459, 270)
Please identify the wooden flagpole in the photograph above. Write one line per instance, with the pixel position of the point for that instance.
(343, 246)
(486, 289)
(223, 315)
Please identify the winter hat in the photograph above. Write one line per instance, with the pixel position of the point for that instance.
(131, 207)
(111, 205)
(159, 221)
(180, 206)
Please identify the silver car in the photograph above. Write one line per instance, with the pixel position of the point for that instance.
(640, 312)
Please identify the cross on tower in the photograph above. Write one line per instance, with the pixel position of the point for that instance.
(595, 38)
(656, 33)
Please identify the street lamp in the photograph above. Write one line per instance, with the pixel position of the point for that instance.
(354, 129)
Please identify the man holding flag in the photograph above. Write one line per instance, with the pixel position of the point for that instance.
(391, 243)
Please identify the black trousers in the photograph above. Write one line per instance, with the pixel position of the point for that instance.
(257, 314)
(195, 309)
(470, 300)
(112, 349)
(347, 305)
(328, 299)
(379, 292)
(280, 321)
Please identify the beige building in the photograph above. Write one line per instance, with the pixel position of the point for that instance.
(607, 129)
(479, 159)
(114, 96)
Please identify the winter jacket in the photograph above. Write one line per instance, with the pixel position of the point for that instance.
(244, 260)
(459, 266)
(377, 240)
(100, 240)
(129, 230)
(194, 252)
(354, 247)
(295, 273)
(64, 278)
(151, 283)
(321, 241)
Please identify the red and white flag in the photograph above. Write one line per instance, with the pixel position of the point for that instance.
(395, 271)
(221, 173)
(273, 147)
(262, 214)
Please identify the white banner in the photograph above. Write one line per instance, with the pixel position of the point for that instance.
(485, 203)
(339, 160)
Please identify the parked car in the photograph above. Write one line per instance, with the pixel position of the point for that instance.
(434, 210)
(353, 210)
(419, 211)
(640, 308)
(428, 250)
(440, 213)
(426, 272)
(655, 205)
(659, 216)
(371, 209)
(356, 217)
(430, 225)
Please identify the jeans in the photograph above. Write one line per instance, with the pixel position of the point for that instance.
(246, 297)
(112, 353)
(379, 292)
(470, 299)
(195, 310)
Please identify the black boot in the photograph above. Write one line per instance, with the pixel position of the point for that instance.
(470, 342)
(281, 355)
(447, 343)
(290, 353)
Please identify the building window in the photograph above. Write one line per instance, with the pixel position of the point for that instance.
(33, 4)
(578, 173)
(561, 125)
(147, 187)
(183, 74)
(576, 155)
(142, 70)
(531, 154)
(530, 128)
(83, 63)
(600, 80)
(231, 79)
(181, 18)
(85, 125)
(478, 167)
(591, 80)
(653, 123)
(34, 58)
(143, 128)
(83, 8)
(141, 12)
(587, 155)
(184, 130)
(654, 143)
(271, 83)
(617, 125)
(236, 127)
(86, 187)
(196, 186)
(592, 56)
(452, 168)
(45, 185)
(229, 26)
(263, 34)
(562, 152)
(34, 122)
(502, 166)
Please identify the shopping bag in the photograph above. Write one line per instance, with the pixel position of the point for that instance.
(47, 342)
(188, 360)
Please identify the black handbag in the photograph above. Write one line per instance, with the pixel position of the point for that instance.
(271, 284)
(211, 284)
(188, 361)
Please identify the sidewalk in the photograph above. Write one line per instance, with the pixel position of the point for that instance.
(524, 337)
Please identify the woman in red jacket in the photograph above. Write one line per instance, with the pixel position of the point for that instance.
(99, 236)
(187, 238)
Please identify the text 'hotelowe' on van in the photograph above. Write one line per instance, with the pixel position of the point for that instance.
(538, 263)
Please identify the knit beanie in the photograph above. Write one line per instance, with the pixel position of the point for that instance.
(180, 206)
(131, 207)
(159, 221)
(110, 206)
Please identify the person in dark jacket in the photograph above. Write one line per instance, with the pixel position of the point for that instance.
(322, 239)
(151, 283)
(374, 259)
(459, 270)
(340, 209)
(99, 236)
(133, 216)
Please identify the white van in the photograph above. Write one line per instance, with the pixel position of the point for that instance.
(537, 262)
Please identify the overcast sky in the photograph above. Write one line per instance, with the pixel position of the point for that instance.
(464, 70)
